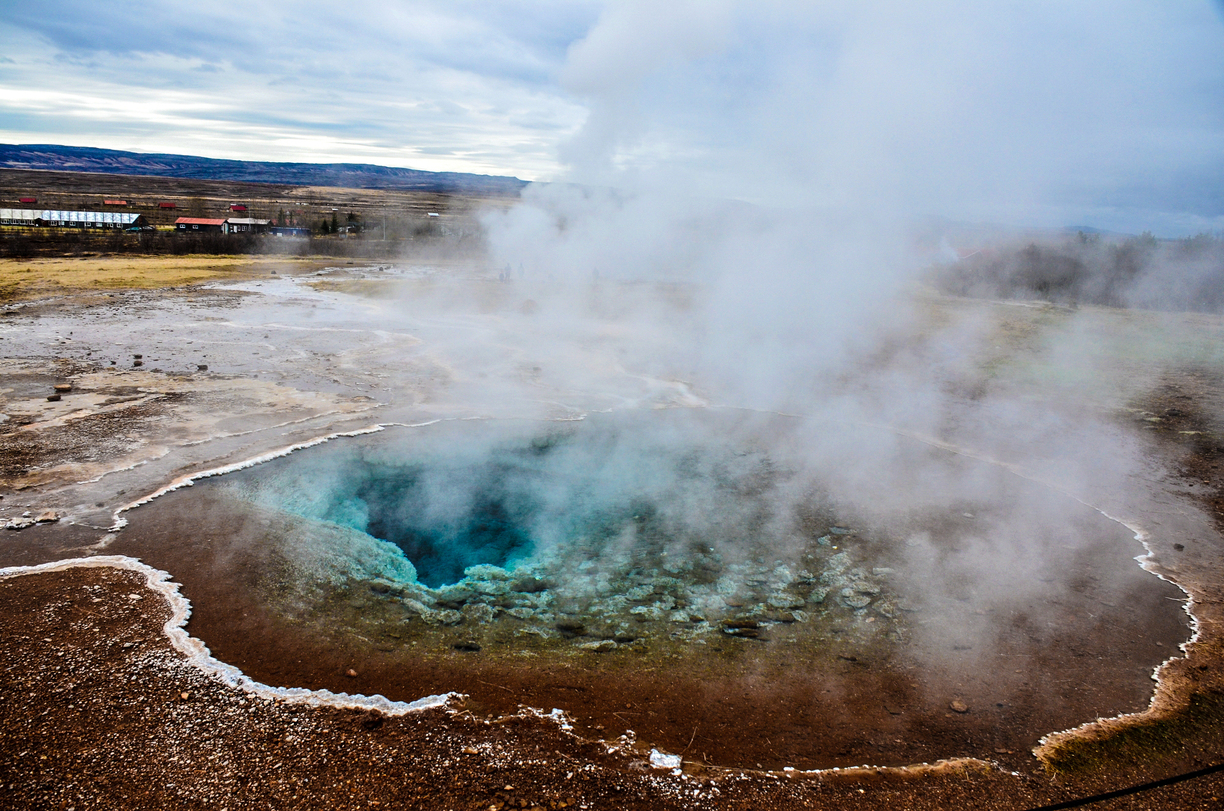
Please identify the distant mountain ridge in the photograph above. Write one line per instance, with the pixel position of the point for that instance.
(350, 175)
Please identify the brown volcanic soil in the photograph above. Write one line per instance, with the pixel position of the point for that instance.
(99, 711)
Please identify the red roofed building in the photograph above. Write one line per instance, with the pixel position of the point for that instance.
(114, 202)
(197, 225)
(166, 205)
(237, 207)
(29, 199)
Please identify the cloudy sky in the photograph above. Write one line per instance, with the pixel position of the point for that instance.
(1089, 112)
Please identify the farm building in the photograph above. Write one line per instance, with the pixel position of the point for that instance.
(289, 231)
(242, 225)
(237, 207)
(169, 206)
(189, 225)
(29, 200)
(114, 202)
(32, 218)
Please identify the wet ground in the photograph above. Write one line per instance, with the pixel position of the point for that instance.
(288, 363)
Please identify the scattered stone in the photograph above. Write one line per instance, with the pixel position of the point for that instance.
(47, 517)
(785, 600)
(466, 647)
(855, 599)
(601, 646)
(747, 628)
(959, 706)
(62, 387)
(138, 363)
(479, 612)
(662, 760)
(530, 585)
(445, 617)
(352, 674)
(201, 367)
(53, 398)
(571, 627)
(454, 596)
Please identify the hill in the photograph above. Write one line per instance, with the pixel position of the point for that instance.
(346, 175)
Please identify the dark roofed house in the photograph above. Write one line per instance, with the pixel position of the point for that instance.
(197, 225)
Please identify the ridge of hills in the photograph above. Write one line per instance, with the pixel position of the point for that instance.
(53, 157)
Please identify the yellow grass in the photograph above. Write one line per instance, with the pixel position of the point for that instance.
(39, 278)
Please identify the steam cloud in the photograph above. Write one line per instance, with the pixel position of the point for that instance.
(737, 233)
(762, 171)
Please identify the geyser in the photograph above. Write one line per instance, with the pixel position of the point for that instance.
(678, 561)
(616, 529)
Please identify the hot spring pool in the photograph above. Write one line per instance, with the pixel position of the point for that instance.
(763, 588)
(609, 533)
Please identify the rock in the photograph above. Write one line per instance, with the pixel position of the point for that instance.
(138, 363)
(959, 706)
(62, 387)
(454, 597)
(352, 674)
(854, 598)
(784, 599)
(662, 760)
(601, 646)
(479, 612)
(530, 585)
(570, 627)
(447, 616)
(47, 517)
(647, 613)
(639, 594)
(466, 647)
(747, 628)
(201, 367)
(53, 398)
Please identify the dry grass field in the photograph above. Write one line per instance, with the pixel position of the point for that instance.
(28, 279)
